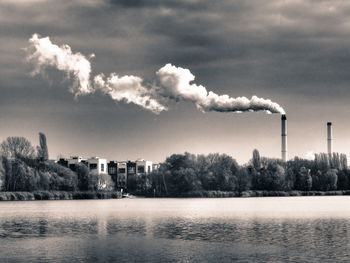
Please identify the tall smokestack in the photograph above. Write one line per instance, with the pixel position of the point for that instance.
(329, 138)
(284, 137)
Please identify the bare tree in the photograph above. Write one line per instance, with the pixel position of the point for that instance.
(15, 146)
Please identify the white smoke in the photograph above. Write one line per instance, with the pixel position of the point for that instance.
(128, 89)
(174, 83)
(42, 54)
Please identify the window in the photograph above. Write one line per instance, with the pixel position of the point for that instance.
(148, 169)
(102, 167)
(140, 169)
(93, 166)
(131, 170)
(121, 170)
(112, 170)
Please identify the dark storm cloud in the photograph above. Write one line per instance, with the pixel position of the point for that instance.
(301, 41)
(297, 40)
(185, 4)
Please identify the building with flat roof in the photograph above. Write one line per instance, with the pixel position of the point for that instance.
(143, 166)
(98, 165)
(73, 160)
(112, 167)
(122, 177)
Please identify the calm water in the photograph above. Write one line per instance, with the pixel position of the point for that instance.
(287, 229)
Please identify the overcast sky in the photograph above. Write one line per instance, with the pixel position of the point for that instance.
(295, 53)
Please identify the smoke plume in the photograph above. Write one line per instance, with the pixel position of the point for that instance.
(128, 89)
(172, 83)
(175, 83)
(42, 54)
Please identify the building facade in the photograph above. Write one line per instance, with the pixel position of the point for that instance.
(98, 165)
(143, 167)
(122, 177)
(73, 160)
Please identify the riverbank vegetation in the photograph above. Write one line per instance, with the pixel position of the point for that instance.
(217, 175)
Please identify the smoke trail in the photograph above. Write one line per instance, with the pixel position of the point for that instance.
(42, 53)
(128, 89)
(173, 83)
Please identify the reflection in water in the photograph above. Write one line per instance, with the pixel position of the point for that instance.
(130, 226)
(29, 228)
(172, 230)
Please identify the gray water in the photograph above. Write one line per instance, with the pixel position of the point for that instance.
(285, 229)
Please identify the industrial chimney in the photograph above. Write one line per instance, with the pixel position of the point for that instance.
(284, 138)
(329, 138)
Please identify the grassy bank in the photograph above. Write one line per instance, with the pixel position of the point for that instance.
(262, 193)
(57, 195)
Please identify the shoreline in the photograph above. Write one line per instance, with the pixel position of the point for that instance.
(81, 195)
(58, 195)
(263, 193)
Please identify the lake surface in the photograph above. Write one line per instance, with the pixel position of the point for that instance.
(270, 229)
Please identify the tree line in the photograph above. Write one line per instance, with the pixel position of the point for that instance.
(189, 173)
